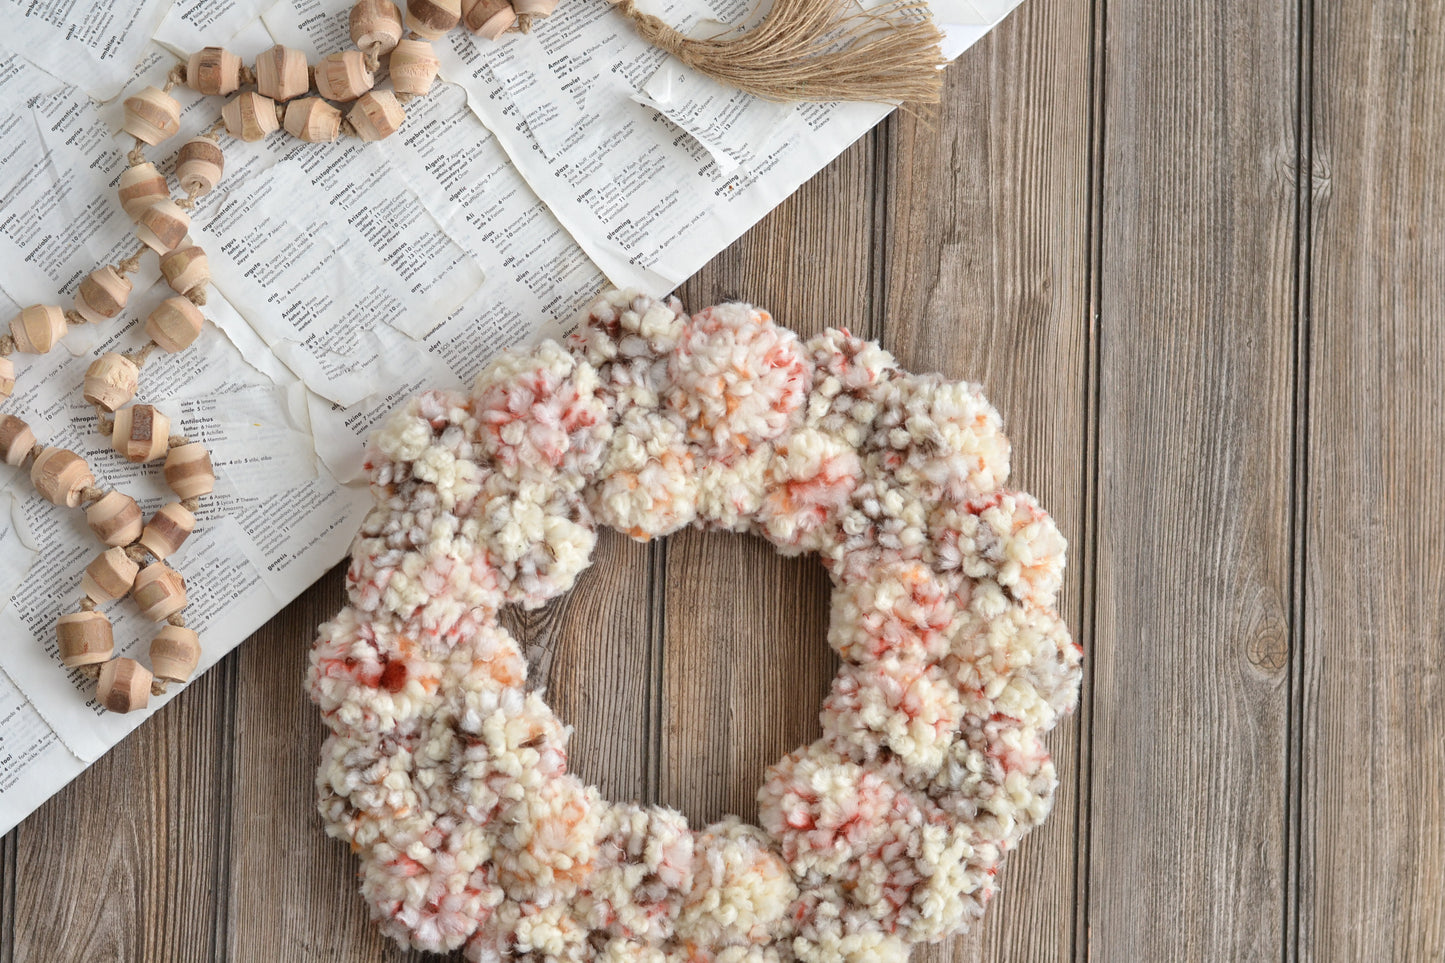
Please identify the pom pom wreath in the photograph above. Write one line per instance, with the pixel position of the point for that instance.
(450, 779)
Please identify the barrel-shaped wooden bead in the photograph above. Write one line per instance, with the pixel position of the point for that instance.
(115, 518)
(109, 576)
(168, 530)
(199, 165)
(175, 653)
(281, 74)
(376, 115)
(16, 440)
(163, 226)
(103, 294)
(110, 381)
(343, 76)
(432, 18)
(174, 324)
(213, 70)
(151, 115)
(413, 67)
(313, 120)
(249, 116)
(188, 470)
(375, 23)
(124, 685)
(141, 433)
(159, 591)
(85, 638)
(38, 328)
(7, 377)
(535, 8)
(186, 269)
(140, 187)
(489, 18)
(60, 475)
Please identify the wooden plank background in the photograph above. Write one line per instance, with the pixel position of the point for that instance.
(1196, 254)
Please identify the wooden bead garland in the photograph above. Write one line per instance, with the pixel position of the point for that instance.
(281, 75)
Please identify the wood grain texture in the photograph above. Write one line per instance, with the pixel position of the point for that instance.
(988, 242)
(1372, 828)
(1187, 824)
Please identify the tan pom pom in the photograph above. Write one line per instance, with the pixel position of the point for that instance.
(376, 115)
(213, 70)
(186, 269)
(432, 18)
(174, 324)
(313, 120)
(103, 294)
(109, 576)
(281, 74)
(60, 476)
(124, 685)
(168, 530)
(199, 165)
(413, 67)
(151, 115)
(188, 470)
(163, 226)
(38, 328)
(16, 440)
(110, 381)
(141, 433)
(343, 76)
(140, 187)
(375, 22)
(175, 653)
(159, 591)
(249, 116)
(115, 518)
(7, 377)
(85, 638)
(489, 18)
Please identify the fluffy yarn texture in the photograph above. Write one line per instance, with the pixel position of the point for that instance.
(449, 777)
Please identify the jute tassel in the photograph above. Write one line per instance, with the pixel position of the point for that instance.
(800, 51)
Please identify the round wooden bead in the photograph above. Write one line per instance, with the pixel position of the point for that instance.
(281, 74)
(109, 576)
(249, 116)
(60, 475)
(151, 115)
(375, 22)
(432, 18)
(103, 294)
(313, 120)
(489, 18)
(140, 187)
(110, 381)
(115, 518)
(16, 440)
(413, 67)
(199, 165)
(159, 591)
(124, 685)
(85, 638)
(163, 226)
(535, 8)
(141, 433)
(38, 328)
(377, 115)
(175, 653)
(343, 76)
(174, 324)
(213, 70)
(188, 470)
(186, 269)
(7, 377)
(168, 530)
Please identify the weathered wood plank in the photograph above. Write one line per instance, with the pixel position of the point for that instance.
(987, 256)
(124, 863)
(1189, 721)
(1372, 830)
